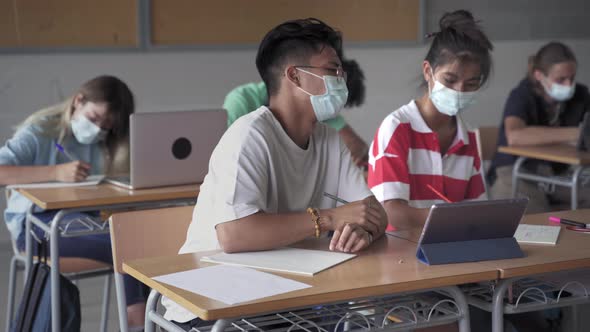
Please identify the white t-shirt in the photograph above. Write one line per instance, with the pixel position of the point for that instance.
(257, 167)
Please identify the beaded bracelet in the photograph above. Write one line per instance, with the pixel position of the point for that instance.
(315, 217)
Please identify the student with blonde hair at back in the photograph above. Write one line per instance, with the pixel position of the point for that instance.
(92, 127)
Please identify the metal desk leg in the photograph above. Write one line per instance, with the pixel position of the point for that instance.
(152, 317)
(498, 304)
(515, 175)
(55, 286)
(220, 325)
(459, 297)
(151, 306)
(575, 186)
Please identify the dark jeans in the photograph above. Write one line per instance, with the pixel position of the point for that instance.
(95, 247)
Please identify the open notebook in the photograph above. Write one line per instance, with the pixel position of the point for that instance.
(291, 260)
(92, 180)
(537, 234)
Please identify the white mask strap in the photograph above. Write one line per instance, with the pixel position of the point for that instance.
(310, 73)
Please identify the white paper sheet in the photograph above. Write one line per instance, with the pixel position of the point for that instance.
(291, 260)
(231, 284)
(92, 180)
(537, 234)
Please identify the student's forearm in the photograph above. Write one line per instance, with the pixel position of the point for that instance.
(402, 216)
(535, 135)
(264, 231)
(26, 174)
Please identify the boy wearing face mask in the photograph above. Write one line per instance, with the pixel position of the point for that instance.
(268, 174)
(545, 108)
(426, 142)
(92, 127)
(249, 97)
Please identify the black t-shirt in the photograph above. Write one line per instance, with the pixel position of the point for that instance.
(524, 103)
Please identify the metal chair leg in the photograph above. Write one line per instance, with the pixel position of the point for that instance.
(14, 267)
(121, 302)
(106, 296)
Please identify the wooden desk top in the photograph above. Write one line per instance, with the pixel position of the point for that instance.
(103, 194)
(388, 266)
(571, 251)
(561, 153)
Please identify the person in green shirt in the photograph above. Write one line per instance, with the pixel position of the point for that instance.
(249, 97)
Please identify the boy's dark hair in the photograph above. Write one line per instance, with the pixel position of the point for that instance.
(293, 40)
(355, 83)
(460, 38)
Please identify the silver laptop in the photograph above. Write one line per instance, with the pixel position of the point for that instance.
(171, 148)
(473, 220)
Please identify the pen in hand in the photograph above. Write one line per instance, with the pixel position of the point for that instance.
(336, 198)
(65, 152)
(73, 171)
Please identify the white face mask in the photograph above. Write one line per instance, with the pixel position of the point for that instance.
(86, 132)
(329, 104)
(449, 101)
(559, 92)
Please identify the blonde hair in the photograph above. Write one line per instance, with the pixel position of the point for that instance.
(55, 121)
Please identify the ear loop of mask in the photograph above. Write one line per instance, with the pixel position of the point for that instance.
(310, 73)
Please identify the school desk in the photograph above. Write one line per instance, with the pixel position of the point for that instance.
(89, 198)
(559, 153)
(386, 268)
(572, 251)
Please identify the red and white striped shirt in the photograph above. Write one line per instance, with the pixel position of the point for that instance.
(405, 156)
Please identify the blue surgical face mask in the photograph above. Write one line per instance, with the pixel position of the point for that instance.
(86, 131)
(449, 101)
(559, 92)
(327, 106)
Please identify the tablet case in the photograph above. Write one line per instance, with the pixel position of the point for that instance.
(471, 231)
(469, 251)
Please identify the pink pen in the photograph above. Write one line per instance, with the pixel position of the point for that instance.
(439, 194)
(577, 224)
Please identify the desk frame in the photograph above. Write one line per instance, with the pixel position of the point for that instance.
(54, 234)
(153, 318)
(572, 183)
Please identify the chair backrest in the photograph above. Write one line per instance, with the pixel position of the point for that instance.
(148, 233)
(487, 138)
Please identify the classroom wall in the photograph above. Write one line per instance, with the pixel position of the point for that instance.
(190, 79)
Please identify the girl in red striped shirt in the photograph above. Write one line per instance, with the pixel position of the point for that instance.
(426, 143)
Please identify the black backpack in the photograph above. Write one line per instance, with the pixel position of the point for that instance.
(34, 311)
